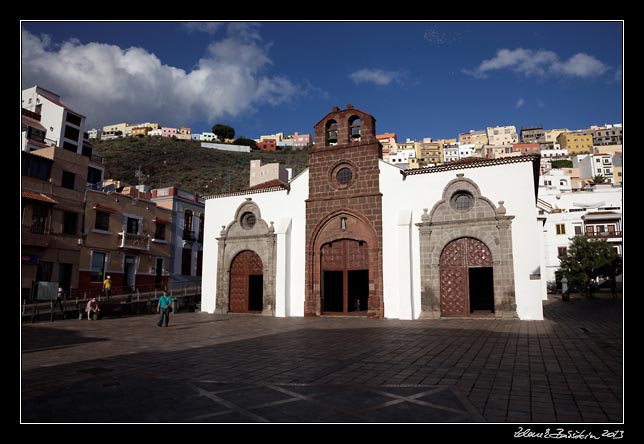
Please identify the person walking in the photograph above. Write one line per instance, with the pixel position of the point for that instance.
(107, 286)
(165, 308)
(59, 299)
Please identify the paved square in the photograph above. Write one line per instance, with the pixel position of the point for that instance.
(249, 368)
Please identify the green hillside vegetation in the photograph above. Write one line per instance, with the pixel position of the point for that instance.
(166, 162)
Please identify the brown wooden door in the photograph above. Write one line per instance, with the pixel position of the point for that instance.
(345, 277)
(456, 258)
(245, 273)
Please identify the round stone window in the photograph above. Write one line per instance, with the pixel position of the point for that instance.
(462, 200)
(344, 176)
(248, 220)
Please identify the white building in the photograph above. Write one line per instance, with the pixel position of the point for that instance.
(591, 165)
(354, 235)
(186, 252)
(155, 132)
(64, 126)
(466, 150)
(402, 156)
(502, 135)
(208, 137)
(569, 214)
(95, 133)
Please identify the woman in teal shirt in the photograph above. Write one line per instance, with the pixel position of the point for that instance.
(164, 307)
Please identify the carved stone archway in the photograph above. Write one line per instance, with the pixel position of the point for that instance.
(464, 213)
(247, 232)
(337, 226)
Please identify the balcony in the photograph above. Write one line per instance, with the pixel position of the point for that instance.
(134, 241)
(35, 236)
(189, 235)
(604, 234)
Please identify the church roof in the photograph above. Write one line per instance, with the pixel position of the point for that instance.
(478, 162)
(265, 187)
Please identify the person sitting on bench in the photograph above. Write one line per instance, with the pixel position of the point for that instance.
(92, 307)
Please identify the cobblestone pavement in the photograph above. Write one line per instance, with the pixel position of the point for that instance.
(250, 368)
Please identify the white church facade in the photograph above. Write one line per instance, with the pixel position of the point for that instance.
(355, 236)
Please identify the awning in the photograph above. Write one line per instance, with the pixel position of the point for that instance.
(102, 207)
(38, 196)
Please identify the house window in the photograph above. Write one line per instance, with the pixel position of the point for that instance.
(102, 221)
(199, 262)
(36, 166)
(43, 271)
(186, 261)
(73, 119)
(97, 270)
(68, 180)
(187, 226)
(159, 230)
(202, 221)
(71, 133)
(577, 230)
(561, 228)
(132, 225)
(561, 251)
(94, 175)
(69, 222)
(70, 147)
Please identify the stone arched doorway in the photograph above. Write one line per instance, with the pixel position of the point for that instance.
(246, 283)
(466, 278)
(345, 277)
(344, 264)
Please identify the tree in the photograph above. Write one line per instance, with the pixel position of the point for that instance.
(223, 131)
(599, 179)
(586, 260)
(247, 142)
(563, 163)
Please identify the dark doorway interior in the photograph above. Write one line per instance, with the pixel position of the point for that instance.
(159, 270)
(255, 292)
(358, 290)
(65, 276)
(481, 289)
(333, 291)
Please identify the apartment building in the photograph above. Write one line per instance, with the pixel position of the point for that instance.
(502, 135)
(64, 127)
(53, 190)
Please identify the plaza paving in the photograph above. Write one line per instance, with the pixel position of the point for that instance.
(249, 368)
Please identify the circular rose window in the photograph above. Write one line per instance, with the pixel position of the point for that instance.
(248, 220)
(344, 176)
(462, 201)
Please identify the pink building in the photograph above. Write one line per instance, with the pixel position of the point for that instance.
(301, 139)
(168, 132)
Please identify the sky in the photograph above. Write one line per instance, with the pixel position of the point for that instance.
(418, 79)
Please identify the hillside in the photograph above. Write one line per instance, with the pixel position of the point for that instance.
(183, 163)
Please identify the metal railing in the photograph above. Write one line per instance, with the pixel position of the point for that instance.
(603, 234)
(139, 241)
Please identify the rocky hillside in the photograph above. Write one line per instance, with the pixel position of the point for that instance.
(184, 164)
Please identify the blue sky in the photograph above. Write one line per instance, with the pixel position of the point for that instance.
(418, 79)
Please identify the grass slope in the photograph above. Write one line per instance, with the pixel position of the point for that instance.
(168, 162)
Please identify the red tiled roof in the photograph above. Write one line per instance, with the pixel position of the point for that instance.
(269, 184)
(98, 206)
(33, 123)
(38, 196)
(56, 102)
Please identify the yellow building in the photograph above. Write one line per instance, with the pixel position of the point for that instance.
(478, 138)
(140, 131)
(607, 149)
(127, 238)
(576, 142)
(429, 153)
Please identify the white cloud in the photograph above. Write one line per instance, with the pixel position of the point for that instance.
(110, 84)
(540, 63)
(618, 74)
(378, 77)
(207, 27)
(520, 103)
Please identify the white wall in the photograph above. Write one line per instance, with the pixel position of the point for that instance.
(422, 191)
(287, 210)
(226, 147)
